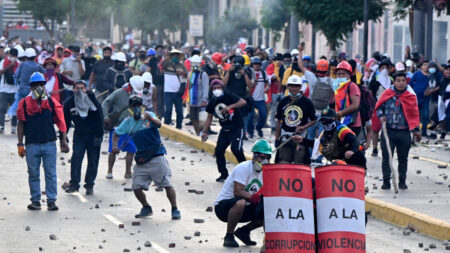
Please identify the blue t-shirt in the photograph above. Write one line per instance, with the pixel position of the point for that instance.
(145, 134)
(24, 72)
(419, 83)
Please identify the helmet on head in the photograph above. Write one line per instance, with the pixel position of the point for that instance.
(119, 56)
(239, 59)
(147, 77)
(151, 52)
(256, 60)
(409, 63)
(50, 60)
(294, 51)
(249, 50)
(327, 114)
(196, 59)
(345, 66)
(322, 65)
(217, 58)
(37, 79)
(262, 146)
(137, 83)
(134, 100)
(306, 58)
(294, 80)
(30, 52)
(400, 66)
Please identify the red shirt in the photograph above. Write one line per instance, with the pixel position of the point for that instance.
(33, 108)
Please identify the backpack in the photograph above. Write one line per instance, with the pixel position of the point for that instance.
(367, 103)
(117, 74)
(9, 77)
(322, 93)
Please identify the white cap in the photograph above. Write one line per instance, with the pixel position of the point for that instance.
(294, 79)
(196, 59)
(399, 66)
(294, 51)
(30, 52)
(137, 82)
(409, 63)
(119, 56)
(147, 77)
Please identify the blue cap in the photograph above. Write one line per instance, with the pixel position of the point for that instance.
(151, 52)
(306, 57)
(37, 78)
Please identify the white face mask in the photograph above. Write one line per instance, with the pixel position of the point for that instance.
(217, 93)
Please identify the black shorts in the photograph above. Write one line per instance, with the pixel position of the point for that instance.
(251, 212)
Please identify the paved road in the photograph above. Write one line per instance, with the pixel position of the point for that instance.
(79, 226)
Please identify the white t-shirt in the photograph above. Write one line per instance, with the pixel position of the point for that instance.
(70, 64)
(258, 93)
(6, 88)
(244, 174)
(171, 83)
(147, 98)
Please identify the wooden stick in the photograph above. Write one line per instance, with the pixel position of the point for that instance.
(388, 145)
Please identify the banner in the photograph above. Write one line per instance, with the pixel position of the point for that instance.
(196, 25)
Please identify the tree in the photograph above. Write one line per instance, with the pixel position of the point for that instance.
(275, 17)
(335, 19)
(403, 7)
(234, 24)
(45, 10)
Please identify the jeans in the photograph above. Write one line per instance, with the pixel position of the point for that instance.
(82, 144)
(160, 98)
(46, 153)
(276, 98)
(5, 100)
(400, 140)
(171, 99)
(18, 96)
(424, 110)
(313, 132)
(262, 111)
(227, 137)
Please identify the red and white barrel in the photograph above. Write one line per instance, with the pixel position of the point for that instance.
(340, 209)
(288, 208)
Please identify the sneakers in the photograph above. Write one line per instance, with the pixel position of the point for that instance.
(128, 175)
(245, 138)
(402, 186)
(145, 211)
(386, 186)
(243, 234)
(222, 178)
(260, 133)
(211, 132)
(51, 206)
(71, 189)
(176, 215)
(432, 136)
(109, 176)
(375, 152)
(251, 136)
(229, 241)
(90, 191)
(442, 136)
(34, 206)
(13, 130)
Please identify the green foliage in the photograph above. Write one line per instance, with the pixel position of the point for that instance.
(235, 23)
(335, 18)
(401, 8)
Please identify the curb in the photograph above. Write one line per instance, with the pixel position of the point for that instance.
(381, 210)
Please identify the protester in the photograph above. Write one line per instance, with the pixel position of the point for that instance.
(157, 77)
(295, 114)
(135, 65)
(398, 109)
(84, 110)
(36, 114)
(197, 91)
(238, 201)
(259, 94)
(115, 110)
(55, 81)
(96, 79)
(149, 93)
(276, 89)
(117, 75)
(89, 61)
(226, 107)
(8, 88)
(236, 79)
(419, 83)
(444, 104)
(73, 67)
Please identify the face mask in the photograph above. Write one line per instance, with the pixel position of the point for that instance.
(120, 66)
(337, 82)
(217, 93)
(296, 95)
(257, 166)
(136, 112)
(432, 70)
(145, 91)
(175, 60)
(330, 126)
(50, 72)
(107, 58)
(39, 92)
(160, 53)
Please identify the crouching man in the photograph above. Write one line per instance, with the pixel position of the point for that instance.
(238, 201)
(151, 164)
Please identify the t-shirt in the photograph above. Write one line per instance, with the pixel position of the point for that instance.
(233, 119)
(211, 71)
(237, 86)
(419, 83)
(244, 174)
(260, 79)
(89, 61)
(4, 87)
(145, 134)
(70, 64)
(355, 91)
(172, 81)
(99, 70)
(294, 114)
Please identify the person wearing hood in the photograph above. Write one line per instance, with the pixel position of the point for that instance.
(225, 106)
(55, 81)
(37, 113)
(84, 110)
(97, 76)
(115, 110)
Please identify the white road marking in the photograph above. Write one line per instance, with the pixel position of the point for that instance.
(80, 197)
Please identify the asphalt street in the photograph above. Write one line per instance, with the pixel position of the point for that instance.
(91, 223)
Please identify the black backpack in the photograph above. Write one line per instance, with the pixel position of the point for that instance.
(9, 77)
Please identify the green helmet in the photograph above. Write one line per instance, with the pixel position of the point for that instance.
(262, 146)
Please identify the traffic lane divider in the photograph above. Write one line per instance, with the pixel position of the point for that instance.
(403, 216)
(381, 210)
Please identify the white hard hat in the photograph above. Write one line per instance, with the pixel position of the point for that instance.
(409, 63)
(294, 79)
(30, 52)
(137, 82)
(119, 56)
(20, 52)
(294, 51)
(147, 77)
(399, 66)
(196, 59)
